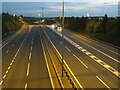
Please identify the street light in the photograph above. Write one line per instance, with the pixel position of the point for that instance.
(62, 37)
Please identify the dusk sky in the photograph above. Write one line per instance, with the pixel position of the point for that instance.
(53, 8)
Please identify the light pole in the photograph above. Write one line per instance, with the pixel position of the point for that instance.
(62, 37)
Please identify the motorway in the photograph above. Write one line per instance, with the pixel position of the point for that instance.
(32, 59)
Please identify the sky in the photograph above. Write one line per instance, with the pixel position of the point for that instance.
(52, 8)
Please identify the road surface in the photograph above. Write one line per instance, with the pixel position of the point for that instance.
(32, 59)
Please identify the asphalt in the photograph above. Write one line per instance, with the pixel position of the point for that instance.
(31, 59)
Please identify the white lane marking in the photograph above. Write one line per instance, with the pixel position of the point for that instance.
(7, 51)
(30, 55)
(80, 61)
(4, 76)
(12, 61)
(60, 42)
(1, 82)
(26, 86)
(47, 65)
(11, 64)
(65, 63)
(32, 43)
(96, 59)
(7, 72)
(9, 39)
(12, 45)
(104, 54)
(103, 82)
(28, 69)
(16, 55)
(100, 46)
(9, 67)
(68, 49)
(31, 48)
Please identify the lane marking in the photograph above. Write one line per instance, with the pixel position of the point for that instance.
(12, 45)
(47, 65)
(103, 82)
(65, 63)
(32, 43)
(31, 48)
(11, 64)
(9, 67)
(14, 57)
(30, 55)
(104, 54)
(1, 82)
(60, 42)
(4, 76)
(8, 40)
(68, 49)
(98, 45)
(7, 51)
(28, 69)
(7, 72)
(26, 86)
(80, 61)
(96, 59)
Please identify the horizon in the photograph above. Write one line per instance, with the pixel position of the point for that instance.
(53, 9)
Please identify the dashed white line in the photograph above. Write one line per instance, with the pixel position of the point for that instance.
(68, 49)
(28, 69)
(12, 45)
(4, 76)
(31, 48)
(11, 64)
(26, 86)
(30, 55)
(60, 42)
(103, 82)
(6, 71)
(80, 61)
(32, 43)
(1, 82)
(9, 67)
(7, 51)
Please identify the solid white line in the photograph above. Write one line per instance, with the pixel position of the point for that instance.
(47, 66)
(80, 61)
(103, 82)
(111, 69)
(28, 69)
(30, 55)
(10, 39)
(65, 63)
(26, 86)
(101, 52)
(99, 45)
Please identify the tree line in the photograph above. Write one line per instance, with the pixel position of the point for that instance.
(10, 24)
(103, 28)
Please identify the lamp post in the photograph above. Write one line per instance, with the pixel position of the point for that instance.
(62, 37)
